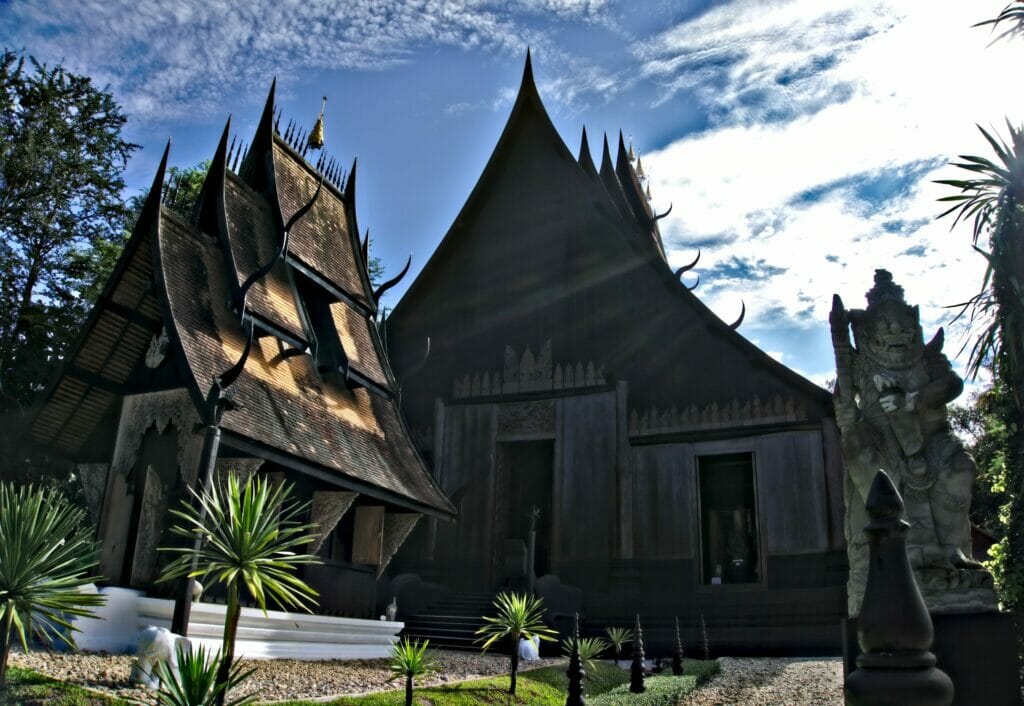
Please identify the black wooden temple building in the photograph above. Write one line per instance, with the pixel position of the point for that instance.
(315, 404)
(677, 468)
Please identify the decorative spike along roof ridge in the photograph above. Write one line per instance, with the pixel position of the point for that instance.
(295, 140)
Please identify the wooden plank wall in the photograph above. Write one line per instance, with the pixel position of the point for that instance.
(585, 478)
(793, 503)
(792, 497)
(665, 503)
(465, 470)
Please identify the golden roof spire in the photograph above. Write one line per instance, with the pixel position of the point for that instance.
(316, 136)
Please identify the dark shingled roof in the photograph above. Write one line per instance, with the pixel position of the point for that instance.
(282, 402)
(542, 251)
(188, 275)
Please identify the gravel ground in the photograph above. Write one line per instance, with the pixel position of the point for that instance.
(276, 680)
(772, 682)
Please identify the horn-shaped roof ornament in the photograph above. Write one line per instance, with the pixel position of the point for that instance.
(687, 268)
(392, 282)
(743, 312)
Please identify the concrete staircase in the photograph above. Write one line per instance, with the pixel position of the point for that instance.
(451, 623)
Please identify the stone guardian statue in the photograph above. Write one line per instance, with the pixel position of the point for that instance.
(890, 403)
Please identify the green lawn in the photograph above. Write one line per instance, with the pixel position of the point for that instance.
(540, 687)
(28, 688)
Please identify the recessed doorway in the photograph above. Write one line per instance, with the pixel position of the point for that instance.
(728, 520)
(525, 479)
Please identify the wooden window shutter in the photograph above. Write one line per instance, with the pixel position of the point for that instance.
(368, 537)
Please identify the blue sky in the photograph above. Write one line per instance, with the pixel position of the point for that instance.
(797, 139)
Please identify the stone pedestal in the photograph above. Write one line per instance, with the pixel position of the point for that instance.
(977, 650)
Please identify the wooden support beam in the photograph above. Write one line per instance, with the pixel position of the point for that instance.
(140, 320)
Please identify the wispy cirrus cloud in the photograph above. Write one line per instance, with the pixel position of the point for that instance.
(827, 124)
(171, 59)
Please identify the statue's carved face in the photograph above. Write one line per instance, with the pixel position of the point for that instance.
(892, 335)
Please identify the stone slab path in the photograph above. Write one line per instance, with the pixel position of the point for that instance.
(772, 682)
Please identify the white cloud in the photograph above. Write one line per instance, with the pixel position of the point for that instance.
(817, 188)
(169, 59)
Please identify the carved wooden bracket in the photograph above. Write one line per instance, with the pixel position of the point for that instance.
(397, 527)
(159, 409)
(327, 510)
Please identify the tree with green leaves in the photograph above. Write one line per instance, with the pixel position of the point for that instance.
(991, 199)
(520, 616)
(244, 537)
(61, 163)
(61, 227)
(46, 556)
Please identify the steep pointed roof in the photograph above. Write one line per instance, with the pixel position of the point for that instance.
(541, 251)
(586, 160)
(187, 276)
(610, 179)
(635, 199)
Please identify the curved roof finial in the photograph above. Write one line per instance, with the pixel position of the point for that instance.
(393, 281)
(687, 268)
(659, 216)
(743, 312)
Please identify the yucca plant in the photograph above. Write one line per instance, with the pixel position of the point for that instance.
(249, 534)
(410, 660)
(992, 199)
(1012, 15)
(618, 637)
(46, 556)
(519, 617)
(590, 648)
(196, 683)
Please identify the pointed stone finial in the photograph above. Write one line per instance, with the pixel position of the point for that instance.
(894, 628)
(677, 654)
(575, 671)
(648, 192)
(636, 670)
(639, 168)
(632, 155)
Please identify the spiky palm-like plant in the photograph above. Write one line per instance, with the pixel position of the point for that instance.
(1012, 15)
(992, 199)
(196, 683)
(410, 659)
(618, 637)
(46, 555)
(519, 617)
(250, 534)
(590, 649)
